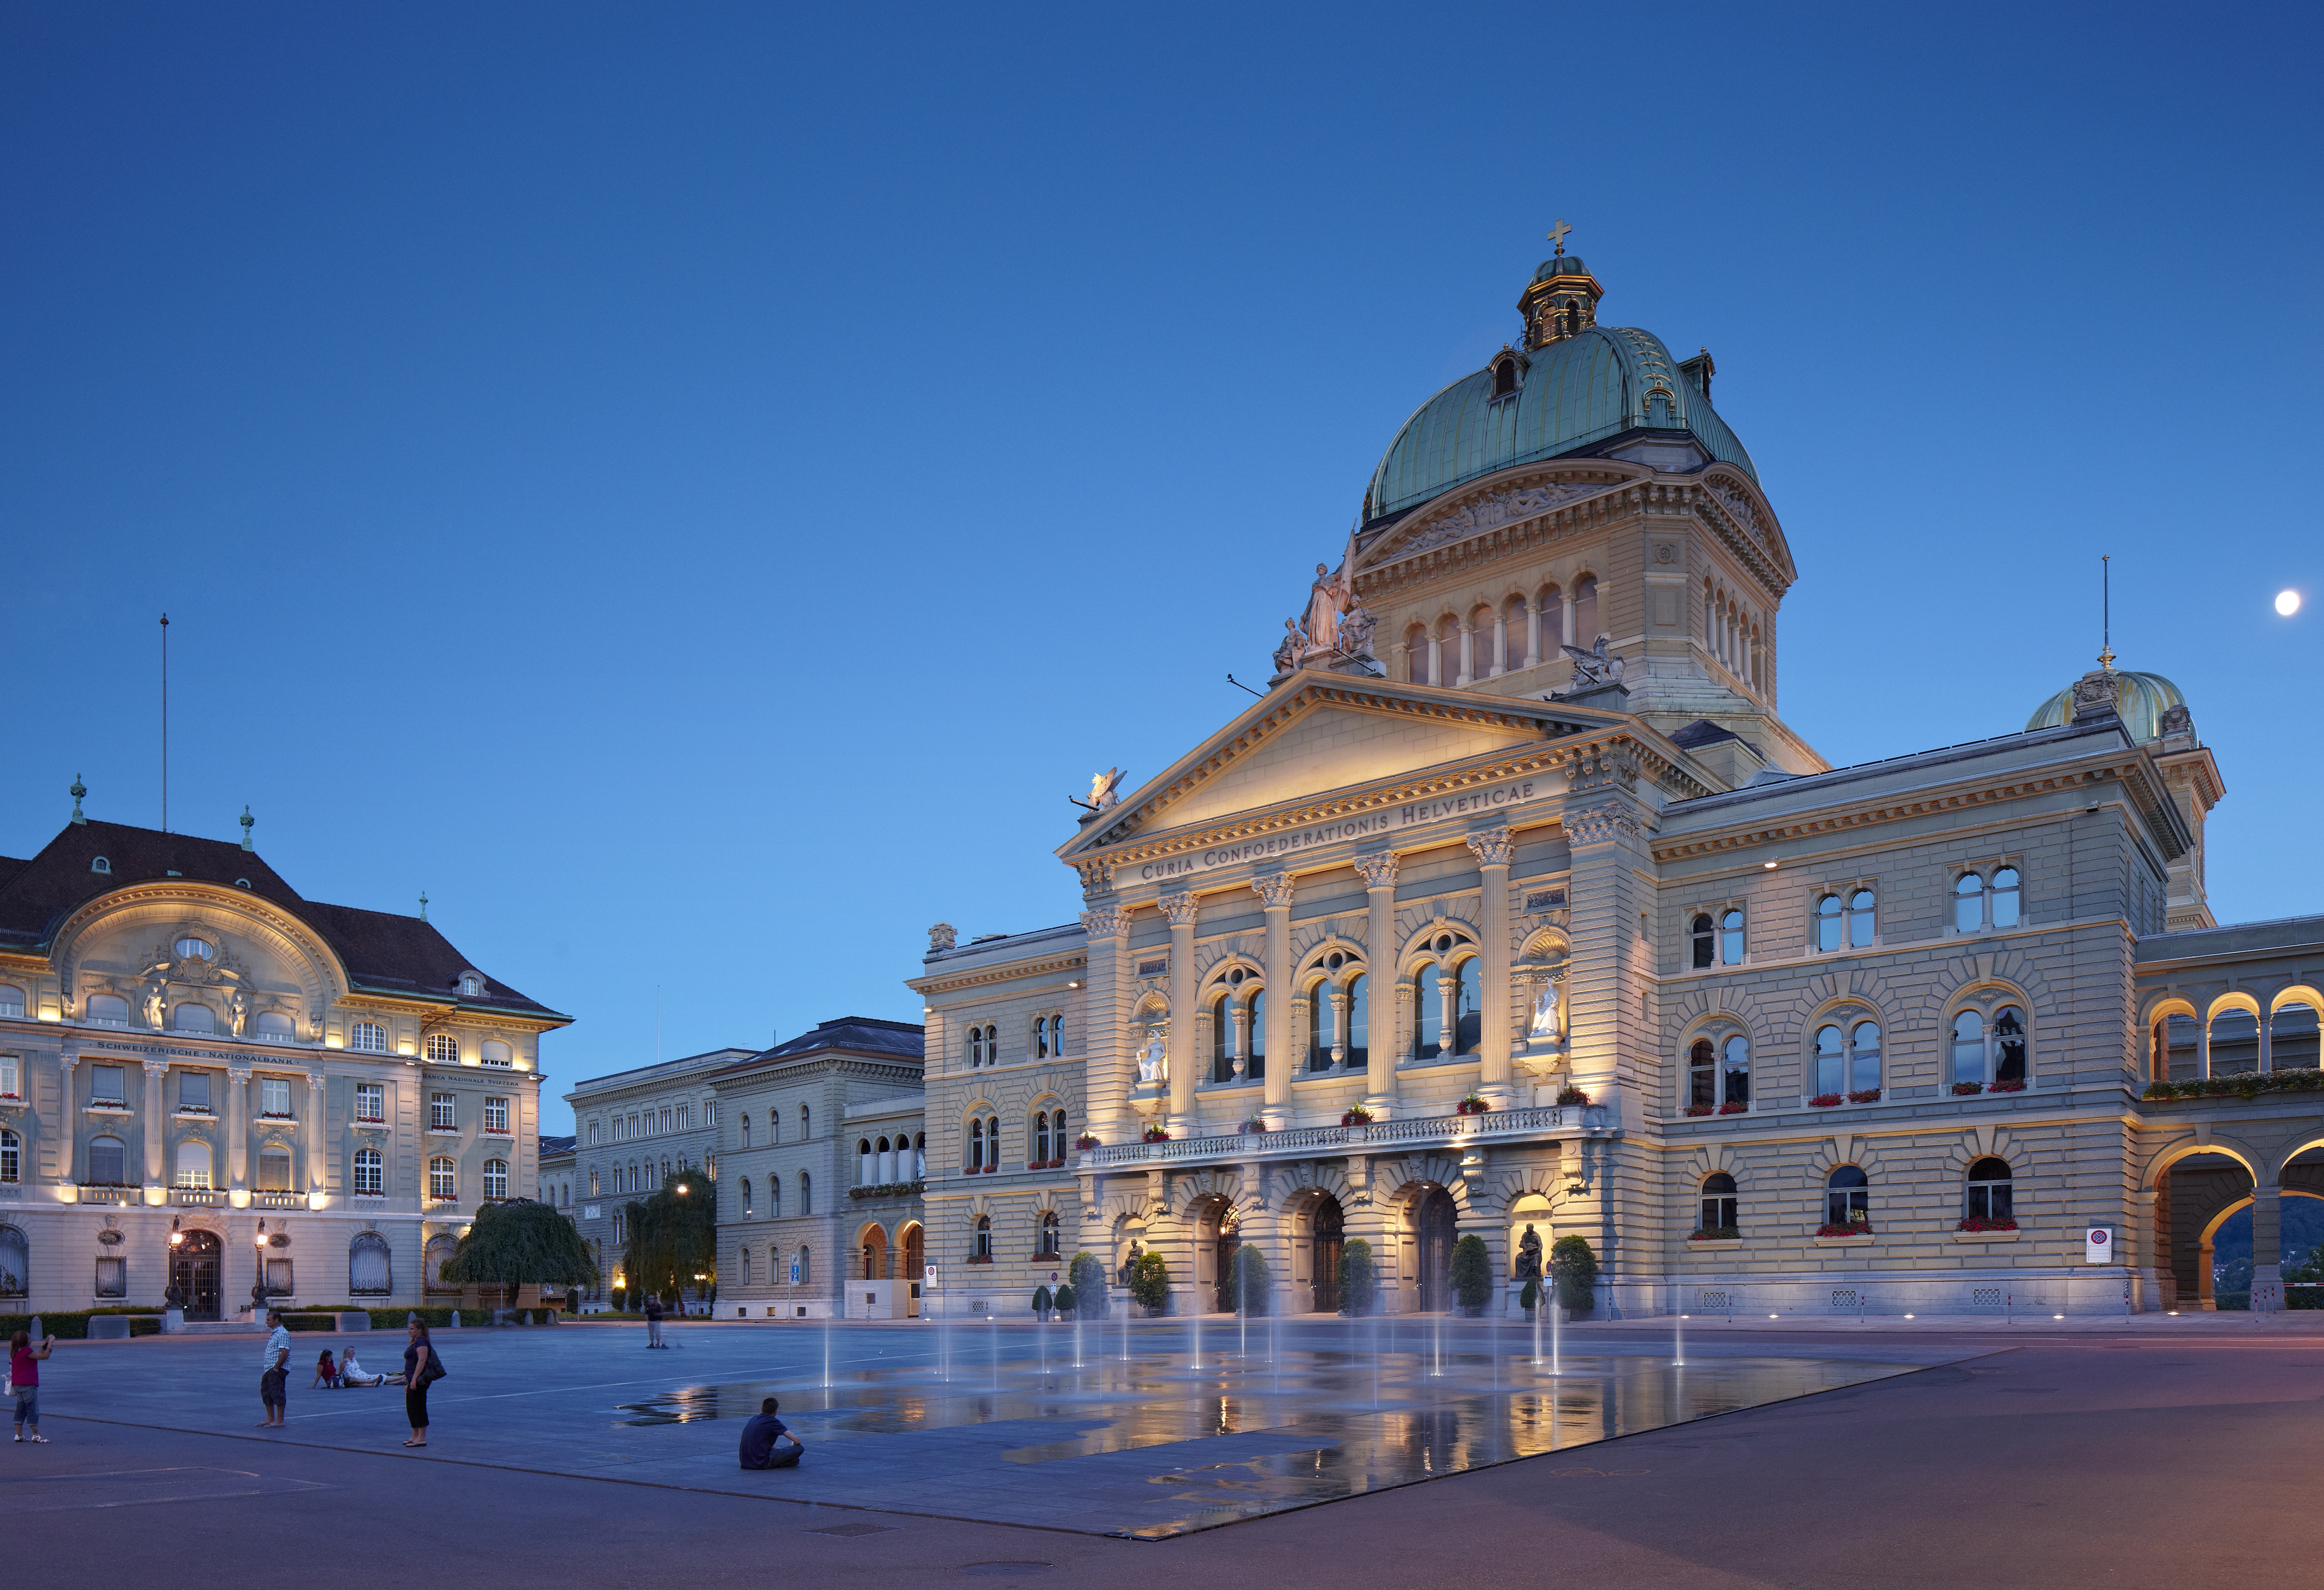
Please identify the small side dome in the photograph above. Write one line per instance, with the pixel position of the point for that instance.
(2140, 700)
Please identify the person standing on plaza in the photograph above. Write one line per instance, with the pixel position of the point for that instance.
(418, 1358)
(274, 1378)
(653, 1319)
(24, 1380)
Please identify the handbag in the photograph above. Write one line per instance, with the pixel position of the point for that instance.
(435, 1370)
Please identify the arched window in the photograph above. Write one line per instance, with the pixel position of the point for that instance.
(983, 1249)
(1359, 1020)
(105, 1010)
(495, 1052)
(369, 1265)
(807, 1194)
(12, 1157)
(2009, 1045)
(920, 1157)
(1968, 1048)
(107, 1162)
(99, 864)
(1504, 378)
(1989, 1191)
(864, 1163)
(1847, 1197)
(806, 1123)
(1427, 1012)
(193, 1164)
(1864, 1057)
(1989, 1052)
(1702, 1077)
(1058, 1136)
(1255, 1067)
(975, 1144)
(1718, 1203)
(743, 1122)
(1416, 654)
(192, 1019)
(2292, 1042)
(1704, 941)
(1221, 1040)
(368, 1036)
(1041, 1137)
(1551, 604)
(805, 1267)
(745, 1255)
(1586, 612)
(1448, 650)
(442, 1049)
(774, 1127)
(2006, 894)
(371, 1172)
(1318, 1015)
(774, 1198)
(1734, 1073)
(746, 1195)
(1050, 1244)
(594, 1183)
(1730, 937)
(274, 1026)
(1829, 931)
(1831, 1061)
(443, 1180)
(1468, 1006)
(1513, 633)
(495, 1180)
(12, 1000)
(1863, 920)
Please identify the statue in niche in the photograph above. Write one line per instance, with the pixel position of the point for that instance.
(1529, 1255)
(1153, 1064)
(240, 1010)
(1595, 666)
(1328, 599)
(1544, 1013)
(156, 1005)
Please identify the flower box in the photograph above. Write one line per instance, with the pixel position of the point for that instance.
(980, 1258)
(1862, 1240)
(1058, 1164)
(1572, 1096)
(1085, 1141)
(1359, 1116)
(1866, 1096)
(1850, 1228)
(2016, 1086)
(1824, 1101)
(1963, 1090)
(1698, 1110)
(1157, 1134)
(1976, 1223)
(989, 1170)
(2012, 1235)
(1722, 1234)
(1471, 1106)
(1253, 1124)
(1732, 1108)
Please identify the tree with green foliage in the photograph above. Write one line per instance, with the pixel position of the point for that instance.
(1471, 1273)
(520, 1242)
(1065, 1300)
(1249, 1285)
(1150, 1281)
(673, 1236)
(1087, 1277)
(1530, 1298)
(1041, 1302)
(2312, 1270)
(1573, 1268)
(1359, 1279)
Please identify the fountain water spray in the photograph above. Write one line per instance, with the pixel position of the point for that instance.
(1678, 1340)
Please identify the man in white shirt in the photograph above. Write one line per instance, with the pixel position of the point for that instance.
(273, 1381)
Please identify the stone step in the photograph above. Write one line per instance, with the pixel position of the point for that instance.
(217, 1327)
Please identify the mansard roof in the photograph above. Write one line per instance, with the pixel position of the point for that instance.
(382, 951)
(857, 1035)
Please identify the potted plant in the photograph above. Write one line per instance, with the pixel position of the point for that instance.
(1698, 1110)
(1733, 1107)
(1823, 1101)
(1529, 1296)
(1085, 1141)
(1846, 1227)
(1574, 1272)
(1716, 1234)
(1042, 1303)
(2018, 1086)
(1471, 1274)
(1473, 1105)
(1355, 1114)
(1254, 1124)
(1963, 1090)
(1569, 1094)
(1865, 1096)
(1149, 1282)
(1157, 1134)
(1985, 1223)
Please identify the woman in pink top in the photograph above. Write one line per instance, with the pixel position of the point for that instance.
(24, 1380)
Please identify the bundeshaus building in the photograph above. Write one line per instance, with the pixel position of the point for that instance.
(1517, 908)
(211, 1081)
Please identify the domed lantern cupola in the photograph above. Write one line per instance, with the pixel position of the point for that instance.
(1561, 300)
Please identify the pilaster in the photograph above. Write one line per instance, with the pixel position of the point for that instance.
(1105, 1062)
(234, 1174)
(1180, 911)
(1493, 850)
(1274, 892)
(157, 1084)
(1380, 976)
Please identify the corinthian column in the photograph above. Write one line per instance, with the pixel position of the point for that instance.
(1274, 893)
(1106, 1072)
(1179, 911)
(1379, 974)
(1492, 849)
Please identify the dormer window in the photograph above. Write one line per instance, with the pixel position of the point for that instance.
(472, 984)
(100, 865)
(1504, 378)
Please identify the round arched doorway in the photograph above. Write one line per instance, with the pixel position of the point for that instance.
(194, 1271)
(1433, 1223)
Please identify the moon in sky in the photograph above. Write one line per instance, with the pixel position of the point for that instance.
(2287, 602)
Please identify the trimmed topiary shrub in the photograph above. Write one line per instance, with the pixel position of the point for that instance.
(1065, 1300)
(1359, 1279)
(1573, 1269)
(1087, 1277)
(1530, 1298)
(1041, 1302)
(1149, 1282)
(1471, 1273)
(1250, 1287)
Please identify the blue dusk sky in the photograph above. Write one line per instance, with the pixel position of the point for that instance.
(694, 489)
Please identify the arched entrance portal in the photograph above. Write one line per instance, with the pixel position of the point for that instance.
(1434, 1229)
(1324, 1223)
(875, 1245)
(194, 1271)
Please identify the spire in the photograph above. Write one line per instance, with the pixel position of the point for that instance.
(423, 905)
(1561, 300)
(2105, 613)
(78, 790)
(246, 821)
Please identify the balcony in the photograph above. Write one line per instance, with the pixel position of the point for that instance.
(278, 1200)
(102, 1192)
(197, 1198)
(1455, 1131)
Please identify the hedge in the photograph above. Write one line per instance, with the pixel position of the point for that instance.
(74, 1326)
(2240, 1085)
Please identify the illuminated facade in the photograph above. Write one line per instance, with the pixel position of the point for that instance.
(1516, 909)
(208, 1081)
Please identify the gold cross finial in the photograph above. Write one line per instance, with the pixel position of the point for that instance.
(1557, 235)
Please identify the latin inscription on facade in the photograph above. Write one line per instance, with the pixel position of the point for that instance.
(1497, 797)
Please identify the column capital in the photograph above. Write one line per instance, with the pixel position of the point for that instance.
(1378, 871)
(153, 1066)
(1105, 922)
(1599, 825)
(1493, 847)
(1178, 909)
(1273, 890)
(1097, 878)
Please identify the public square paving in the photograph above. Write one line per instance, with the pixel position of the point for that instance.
(1147, 1430)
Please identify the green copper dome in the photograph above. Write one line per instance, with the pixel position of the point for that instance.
(2140, 700)
(1572, 396)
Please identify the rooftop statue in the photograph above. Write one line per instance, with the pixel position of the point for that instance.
(1328, 599)
(1596, 666)
(1105, 790)
(1291, 648)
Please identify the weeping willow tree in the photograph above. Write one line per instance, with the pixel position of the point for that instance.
(520, 1242)
(673, 1236)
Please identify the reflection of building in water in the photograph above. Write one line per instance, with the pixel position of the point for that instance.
(1484, 869)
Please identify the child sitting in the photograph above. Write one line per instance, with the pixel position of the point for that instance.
(327, 1374)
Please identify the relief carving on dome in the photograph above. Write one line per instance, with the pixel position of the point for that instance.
(1736, 503)
(1496, 508)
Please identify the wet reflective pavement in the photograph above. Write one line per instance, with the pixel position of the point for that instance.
(1004, 1424)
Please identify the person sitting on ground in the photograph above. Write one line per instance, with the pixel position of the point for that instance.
(327, 1374)
(758, 1438)
(351, 1374)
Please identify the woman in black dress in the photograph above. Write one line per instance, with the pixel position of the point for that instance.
(416, 1358)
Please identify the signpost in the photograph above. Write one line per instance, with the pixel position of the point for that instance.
(2097, 1245)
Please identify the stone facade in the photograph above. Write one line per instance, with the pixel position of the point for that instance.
(633, 1130)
